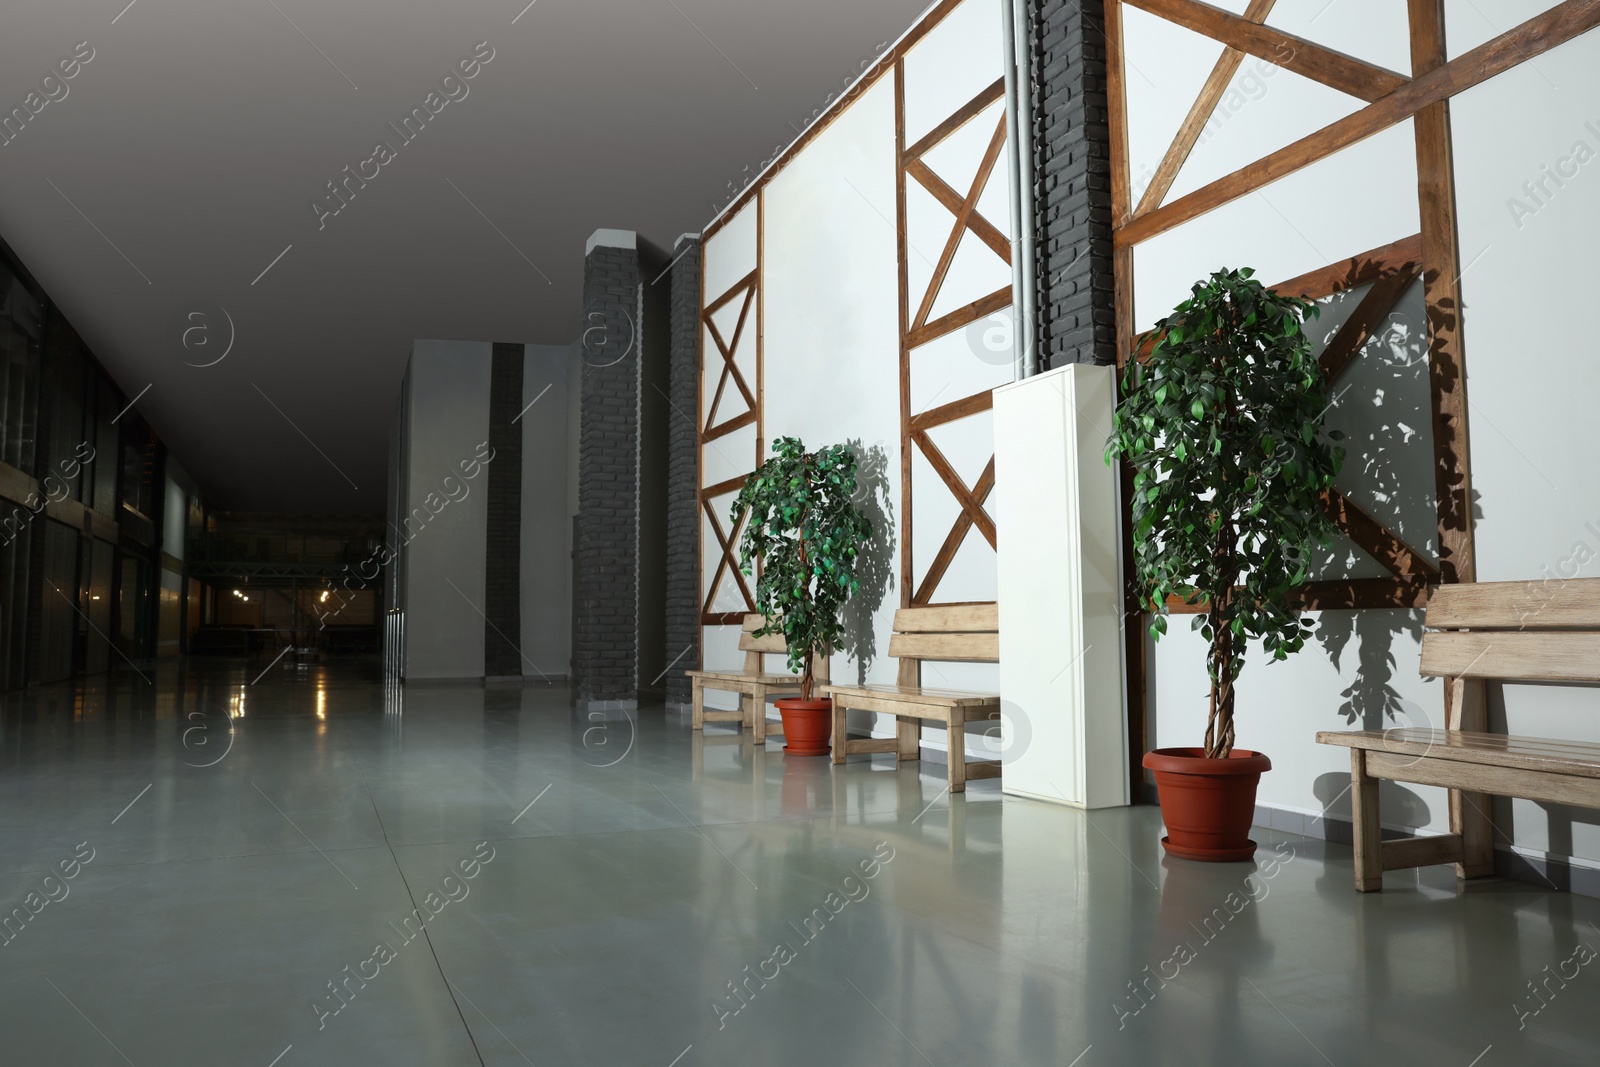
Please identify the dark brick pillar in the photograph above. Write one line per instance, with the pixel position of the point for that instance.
(683, 474)
(502, 607)
(605, 645)
(1072, 187)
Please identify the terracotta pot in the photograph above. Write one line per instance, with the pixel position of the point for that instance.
(1207, 804)
(807, 725)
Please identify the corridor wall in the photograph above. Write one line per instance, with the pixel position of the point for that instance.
(1522, 193)
(860, 292)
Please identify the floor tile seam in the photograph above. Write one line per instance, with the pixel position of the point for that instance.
(437, 963)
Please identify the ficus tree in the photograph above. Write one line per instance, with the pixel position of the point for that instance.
(1223, 428)
(803, 525)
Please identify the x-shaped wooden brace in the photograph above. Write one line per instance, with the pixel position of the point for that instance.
(965, 209)
(746, 287)
(728, 561)
(972, 514)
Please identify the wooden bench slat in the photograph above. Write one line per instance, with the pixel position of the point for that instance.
(953, 647)
(916, 694)
(772, 644)
(1573, 758)
(949, 618)
(1556, 787)
(738, 677)
(1536, 657)
(1560, 604)
(893, 706)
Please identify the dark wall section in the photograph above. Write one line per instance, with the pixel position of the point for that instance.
(683, 474)
(502, 609)
(1072, 167)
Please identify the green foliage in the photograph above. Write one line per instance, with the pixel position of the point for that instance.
(1223, 429)
(806, 530)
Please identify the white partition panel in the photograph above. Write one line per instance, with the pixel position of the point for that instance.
(1061, 666)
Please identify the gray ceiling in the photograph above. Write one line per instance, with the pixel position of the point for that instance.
(191, 146)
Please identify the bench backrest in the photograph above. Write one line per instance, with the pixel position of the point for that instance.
(756, 648)
(1540, 631)
(957, 632)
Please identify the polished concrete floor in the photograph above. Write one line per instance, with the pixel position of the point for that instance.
(307, 867)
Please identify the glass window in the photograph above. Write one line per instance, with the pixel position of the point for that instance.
(21, 325)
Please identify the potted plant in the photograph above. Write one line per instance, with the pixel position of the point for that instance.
(806, 530)
(1222, 426)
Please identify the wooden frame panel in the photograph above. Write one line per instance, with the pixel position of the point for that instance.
(916, 330)
(1432, 255)
(747, 290)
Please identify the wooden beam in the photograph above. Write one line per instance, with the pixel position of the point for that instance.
(1397, 592)
(1441, 279)
(738, 288)
(1362, 324)
(1406, 852)
(1404, 255)
(982, 227)
(1194, 123)
(735, 423)
(903, 288)
(1375, 539)
(963, 115)
(1333, 69)
(956, 409)
(1528, 41)
(962, 316)
(732, 485)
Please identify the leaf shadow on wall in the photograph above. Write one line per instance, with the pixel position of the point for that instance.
(1382, 405)
(875, 564)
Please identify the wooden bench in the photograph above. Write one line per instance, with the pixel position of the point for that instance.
(956, 632)
(1500, 631)
(754, 684)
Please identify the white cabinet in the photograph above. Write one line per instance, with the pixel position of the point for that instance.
(1061, 645)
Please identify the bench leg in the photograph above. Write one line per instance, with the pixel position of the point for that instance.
(956, 739)
(758, 716)
(697, 713)
(841, 736)
(1368, 838)
(1466, 709)
(908, 738)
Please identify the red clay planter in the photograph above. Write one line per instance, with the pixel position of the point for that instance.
(807, 725)
(1207, 804)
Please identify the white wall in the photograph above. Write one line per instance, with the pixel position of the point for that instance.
(833, 302)
(1531, 373)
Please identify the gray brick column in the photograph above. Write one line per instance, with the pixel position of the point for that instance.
(605, 644)
(1072, 168)
(621, 550)
(683, 473)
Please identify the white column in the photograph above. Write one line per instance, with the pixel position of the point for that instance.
(1061, 652)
